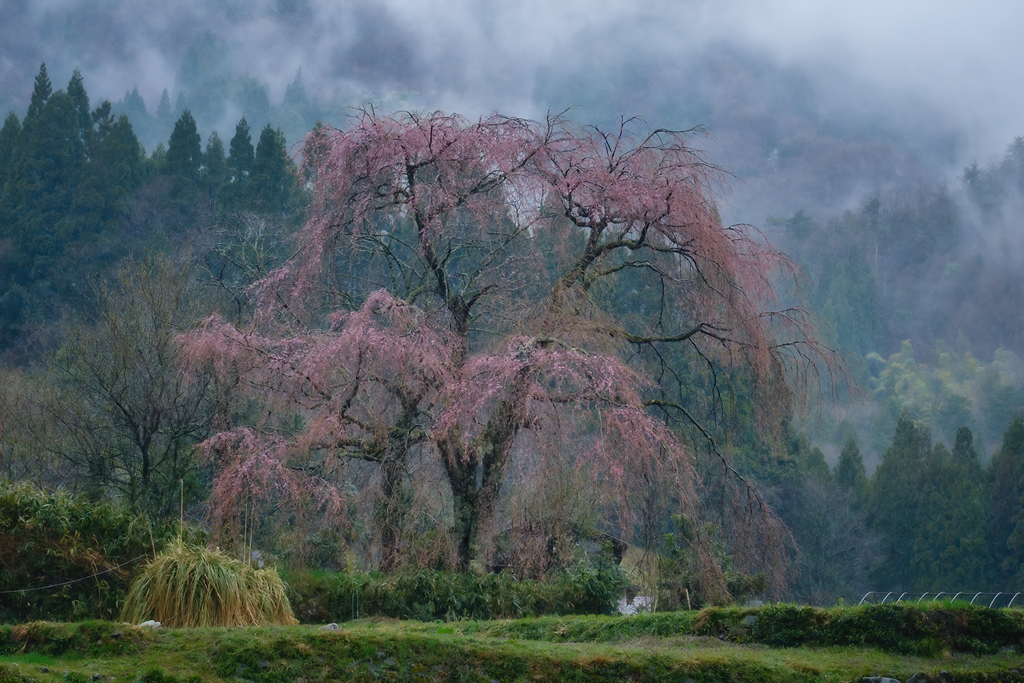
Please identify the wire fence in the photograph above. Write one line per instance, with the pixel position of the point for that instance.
(1000, 600)
(71, 581)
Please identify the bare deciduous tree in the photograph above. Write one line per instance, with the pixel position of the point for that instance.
(119, 412)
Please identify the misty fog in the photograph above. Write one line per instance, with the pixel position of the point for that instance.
(949, 65)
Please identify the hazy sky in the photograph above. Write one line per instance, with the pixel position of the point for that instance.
(962, 58)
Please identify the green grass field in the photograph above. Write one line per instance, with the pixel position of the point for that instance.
(708, 646)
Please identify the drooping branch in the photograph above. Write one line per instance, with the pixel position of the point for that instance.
(541, 279)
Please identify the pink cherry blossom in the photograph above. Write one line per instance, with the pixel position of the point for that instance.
(462, 285)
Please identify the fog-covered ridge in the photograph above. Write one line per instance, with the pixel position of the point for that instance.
(476, 57)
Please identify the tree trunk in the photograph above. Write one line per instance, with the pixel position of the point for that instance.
(393, 503)
(392, 507)
(475, 472)
(460, 464)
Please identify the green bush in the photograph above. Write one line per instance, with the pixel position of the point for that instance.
(48, 539)
(787, 625)
(684, 580)
(906, 629)
(592, 587)
(927, 630)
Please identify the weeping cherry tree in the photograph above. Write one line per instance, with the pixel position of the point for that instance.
(483, 293)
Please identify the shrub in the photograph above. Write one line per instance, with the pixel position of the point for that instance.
(907, 629)
(787, 625)
(47, 539)
(591, 587)
(188, 585)
(9, 673)
(695, 571)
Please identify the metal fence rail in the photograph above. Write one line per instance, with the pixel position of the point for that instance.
(1001, 600)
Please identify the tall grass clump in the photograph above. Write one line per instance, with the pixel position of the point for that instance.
(188, 585)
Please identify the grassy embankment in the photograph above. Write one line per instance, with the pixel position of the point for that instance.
(775, 643)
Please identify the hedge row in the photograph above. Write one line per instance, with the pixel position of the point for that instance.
(903, 628)
(899, 628)
(591, 587)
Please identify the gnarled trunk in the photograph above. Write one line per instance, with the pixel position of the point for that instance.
(476, 471)
(391, 509)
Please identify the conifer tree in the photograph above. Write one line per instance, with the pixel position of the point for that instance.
(88, 204)
(215, 164)
(134, 105)
(40, 93)
(203, 78)
(157, 161)
(241, 154)
(1006, 517)
(273, 172)
(965, 457)
(114, 171)
(892, 504)
(295, 94)
(949, 550)
(249, 95)
(184, 150)
(41, 184)
(11, 301)
(43, 168)
(127, 151)
(163, 110)
(296, 115)
(9, 134)
(850, 474)
(76, 91)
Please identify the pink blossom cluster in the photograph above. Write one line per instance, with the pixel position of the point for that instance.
(510, 247)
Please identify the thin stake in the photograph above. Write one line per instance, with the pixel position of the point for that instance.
(252, 532)
(245, 527)
(181, 513)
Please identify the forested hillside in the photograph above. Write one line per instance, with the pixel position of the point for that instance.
(80, 194)
(462, 369)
